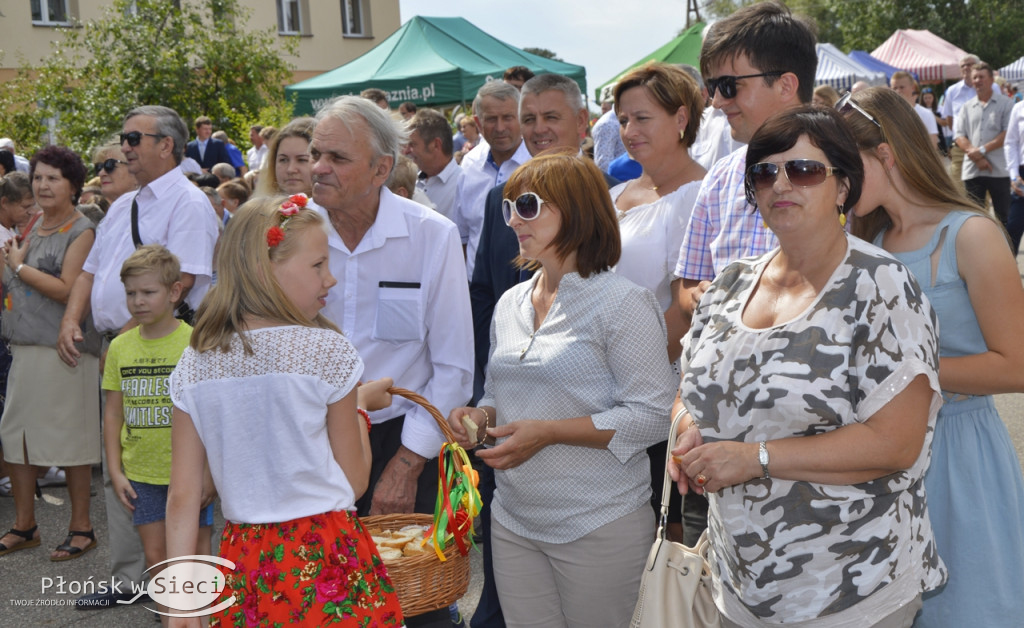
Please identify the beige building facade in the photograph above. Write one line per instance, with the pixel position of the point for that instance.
(330, 32)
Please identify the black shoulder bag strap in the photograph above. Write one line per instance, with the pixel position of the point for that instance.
(136, 238)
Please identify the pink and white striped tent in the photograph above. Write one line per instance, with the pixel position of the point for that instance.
(927, 54)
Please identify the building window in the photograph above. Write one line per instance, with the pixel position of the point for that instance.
(354, 21)
(132, 10)
(289, 17)
(50, 12)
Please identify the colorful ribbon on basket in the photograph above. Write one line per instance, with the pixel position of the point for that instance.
(458, 501)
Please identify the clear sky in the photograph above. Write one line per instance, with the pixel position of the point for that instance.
(604, 36)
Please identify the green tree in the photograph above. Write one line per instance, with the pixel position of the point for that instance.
(818, 12)
(543, 52)
(195, 56)
(988, 28)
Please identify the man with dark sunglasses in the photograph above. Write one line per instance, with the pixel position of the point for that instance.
(169, 210)
(757, 62)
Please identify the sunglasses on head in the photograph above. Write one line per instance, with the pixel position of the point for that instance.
(803, 173)
(846, 104)
(527, 207)
(107, 165)
(135, 137)
(727, 84)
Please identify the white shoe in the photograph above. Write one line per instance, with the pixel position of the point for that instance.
(5, 486)
(55, 476)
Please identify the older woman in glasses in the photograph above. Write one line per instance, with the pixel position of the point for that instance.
(810, 380)
(51, 416)
(959, 254)
(109, 165)
(576, 390)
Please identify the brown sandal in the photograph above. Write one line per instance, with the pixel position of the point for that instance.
(74, 552)
(30, 540)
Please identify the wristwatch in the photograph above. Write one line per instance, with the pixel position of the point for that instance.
(983, 150)
(762, 457)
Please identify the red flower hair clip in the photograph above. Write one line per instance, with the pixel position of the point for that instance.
(289, 208)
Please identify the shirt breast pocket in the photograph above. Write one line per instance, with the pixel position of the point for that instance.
(399, 315)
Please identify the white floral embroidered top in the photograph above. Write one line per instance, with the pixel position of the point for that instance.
(263, 420)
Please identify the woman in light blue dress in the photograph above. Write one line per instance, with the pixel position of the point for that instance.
(962, 260)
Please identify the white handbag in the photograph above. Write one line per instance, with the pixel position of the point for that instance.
(675, 589)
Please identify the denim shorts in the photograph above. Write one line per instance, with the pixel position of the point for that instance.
(151, 505)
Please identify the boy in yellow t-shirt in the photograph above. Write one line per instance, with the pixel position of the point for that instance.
(137, 418)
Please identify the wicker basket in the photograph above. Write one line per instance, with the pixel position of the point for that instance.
(423, 582)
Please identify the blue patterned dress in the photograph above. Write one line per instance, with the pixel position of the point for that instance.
(974, 485)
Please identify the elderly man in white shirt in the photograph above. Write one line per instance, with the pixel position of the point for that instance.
(169, 210)
(496, 110)
(1013, 146)
(953, 100)
(402, 296)
(430, 147)
(255, 155)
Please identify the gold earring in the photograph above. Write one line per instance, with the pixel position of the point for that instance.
(842, 216)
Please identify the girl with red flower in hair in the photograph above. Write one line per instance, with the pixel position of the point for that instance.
(266, 398)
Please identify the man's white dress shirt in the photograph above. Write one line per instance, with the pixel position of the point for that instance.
(402, 299)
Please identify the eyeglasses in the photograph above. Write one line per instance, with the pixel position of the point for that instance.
(527, 207)
(727, 84)
(846, 105)
(135, 137)
(803, 173)
(108, 165)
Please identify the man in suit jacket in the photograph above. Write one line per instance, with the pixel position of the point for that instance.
(204, 149)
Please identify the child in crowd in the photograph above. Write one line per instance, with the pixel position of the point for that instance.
(266, 395)
(137, 415)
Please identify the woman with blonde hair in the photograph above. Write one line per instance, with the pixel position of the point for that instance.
(288, 168)
(265, 398)
(577, 386)
(824, 96)
(960, 256)
(110, 165)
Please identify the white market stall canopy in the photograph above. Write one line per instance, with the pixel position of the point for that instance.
(841, 72)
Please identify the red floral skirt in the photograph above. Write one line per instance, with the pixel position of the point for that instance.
(312, 571)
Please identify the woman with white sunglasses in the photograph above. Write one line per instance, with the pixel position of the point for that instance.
(577, 387)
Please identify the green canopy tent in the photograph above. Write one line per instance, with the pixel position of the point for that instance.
(430, 61)
(683, 49)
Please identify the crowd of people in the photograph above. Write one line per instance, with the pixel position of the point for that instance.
(796, 275)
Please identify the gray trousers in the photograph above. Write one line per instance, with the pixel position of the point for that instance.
(592, 581)
(127, 560)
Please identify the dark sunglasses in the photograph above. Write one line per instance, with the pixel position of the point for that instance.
(727, 84)
(527, 207)
(135, 137)
(108, 165)
(846, 104)
(803, 173)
